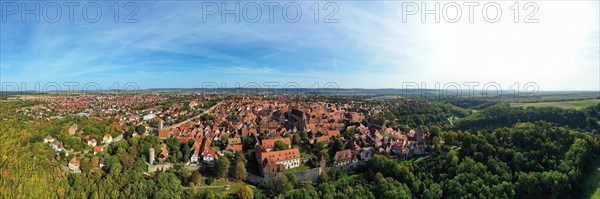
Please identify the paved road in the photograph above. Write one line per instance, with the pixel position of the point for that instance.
(197, 116)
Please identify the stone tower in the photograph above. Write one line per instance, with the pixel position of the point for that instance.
(160, 125)
(151, 155)
(322, 161)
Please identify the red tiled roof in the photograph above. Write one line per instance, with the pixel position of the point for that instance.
(312, 127)
(234, 147)
(278, 156)
(74, 161)
(273, 168)
(164, 133)
(206, 153)
(344, 155)
(252, 130)
(270, 143)
(98, 149)
(164, 153)
(333, 133)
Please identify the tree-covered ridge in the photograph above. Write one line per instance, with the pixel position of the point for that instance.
(470, 103)
(415, 112)
(502, 115)
(28, 168)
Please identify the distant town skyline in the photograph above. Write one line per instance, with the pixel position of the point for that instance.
(363, 45)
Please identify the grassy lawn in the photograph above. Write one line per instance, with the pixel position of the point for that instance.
(234, 187)
(302, 167)
(566, 104)
(220, 182)
(591, 185)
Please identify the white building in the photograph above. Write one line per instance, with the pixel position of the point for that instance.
(49, 139)
(208, 156)
(149, 116)
(107, 139)
(290, 157)
(92, 142)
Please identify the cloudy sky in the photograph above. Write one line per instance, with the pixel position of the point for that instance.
(365, 44)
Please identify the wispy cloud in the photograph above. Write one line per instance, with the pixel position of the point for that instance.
(369, 47)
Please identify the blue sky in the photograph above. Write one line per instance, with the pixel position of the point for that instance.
(369, 47)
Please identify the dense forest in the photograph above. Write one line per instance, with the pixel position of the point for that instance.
(502, 115)
(529, 160)
(495, 152)
(409, 113)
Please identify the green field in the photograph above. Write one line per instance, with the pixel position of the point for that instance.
(591, 185)
(560, 96)
(578, 104)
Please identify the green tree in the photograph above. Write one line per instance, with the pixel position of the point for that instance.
(240, 157)
(434, 191)
(185, 175)
(197, 178)
(167, 186)
(295, 139)
(222, 167)
(240, 171)
(245, 192)
(338, 145)
(140, 129)
(281, 185)
(280, 145)
(304, 136)
(323, 177)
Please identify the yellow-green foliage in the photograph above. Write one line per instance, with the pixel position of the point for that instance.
(28, 168)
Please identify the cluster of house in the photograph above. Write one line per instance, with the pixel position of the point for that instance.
(409, 144)
(245, 117)
(124, 108)
(107, 139)
(391, 141)
(55, 144)
(73, 164)
(172, 112)
(238, 118)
